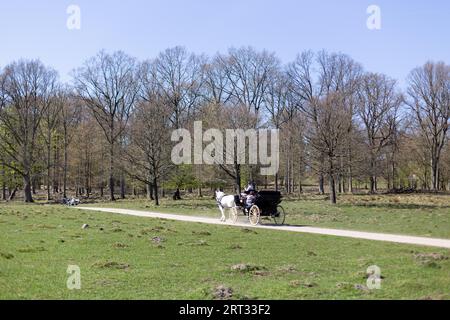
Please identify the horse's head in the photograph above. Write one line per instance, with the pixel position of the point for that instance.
(219, 195)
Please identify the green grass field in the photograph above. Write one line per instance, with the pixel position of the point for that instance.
(421, 215)
(125, 257)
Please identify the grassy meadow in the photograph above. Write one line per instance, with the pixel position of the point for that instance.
(126, 257)
(411, 214)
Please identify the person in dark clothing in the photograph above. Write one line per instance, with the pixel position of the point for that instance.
(176, 195)
(249, 195)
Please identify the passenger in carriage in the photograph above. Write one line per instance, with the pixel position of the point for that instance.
(249, 195)
(250, 200)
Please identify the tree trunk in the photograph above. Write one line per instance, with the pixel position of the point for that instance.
(12, 194)
(155, 186)
(286, 176)
(372, 176)
(350, 182)
(49, 151)
(434, 173)
(238, 178)
(321, 184)
(150, 192)
(111, 159)
(350, 171)
(332, 189)
(292, 176)
(33, 185)
(300, 187)
(393, 173)
(340, 176)
(331, 181)
(122, 186)
(111, 172)
(372, 184)
(55, 176)
(28, 196)
(65, 165)
(3, 183)
(86, 175)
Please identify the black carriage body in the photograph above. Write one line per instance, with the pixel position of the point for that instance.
(267, 202)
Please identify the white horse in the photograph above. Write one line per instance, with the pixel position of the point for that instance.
(225, 202)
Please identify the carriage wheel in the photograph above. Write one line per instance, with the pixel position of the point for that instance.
(254, 215)
(280, 216)
(233, 215)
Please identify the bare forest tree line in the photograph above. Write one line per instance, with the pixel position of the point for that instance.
(342, 129)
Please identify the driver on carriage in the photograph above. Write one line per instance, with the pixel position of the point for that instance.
(249, 195)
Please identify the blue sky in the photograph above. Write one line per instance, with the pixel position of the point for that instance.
(412, 32)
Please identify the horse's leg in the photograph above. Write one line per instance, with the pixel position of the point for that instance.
(223, 219)
(234, 214)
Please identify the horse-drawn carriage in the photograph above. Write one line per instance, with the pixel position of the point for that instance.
(265, 204)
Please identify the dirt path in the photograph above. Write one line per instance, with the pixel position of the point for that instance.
(432, 242)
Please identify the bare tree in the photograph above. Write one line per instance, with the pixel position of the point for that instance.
(279, 105)
(179, 77)
(377, 109)
(148, 152)
(236, 118)
(48, 128)
(107, 84)
(70, 116)
(429, 99)
(216, 82)
(324, 86)
(239, 80)
(3, 181)
(26, 88)
(248, 74)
